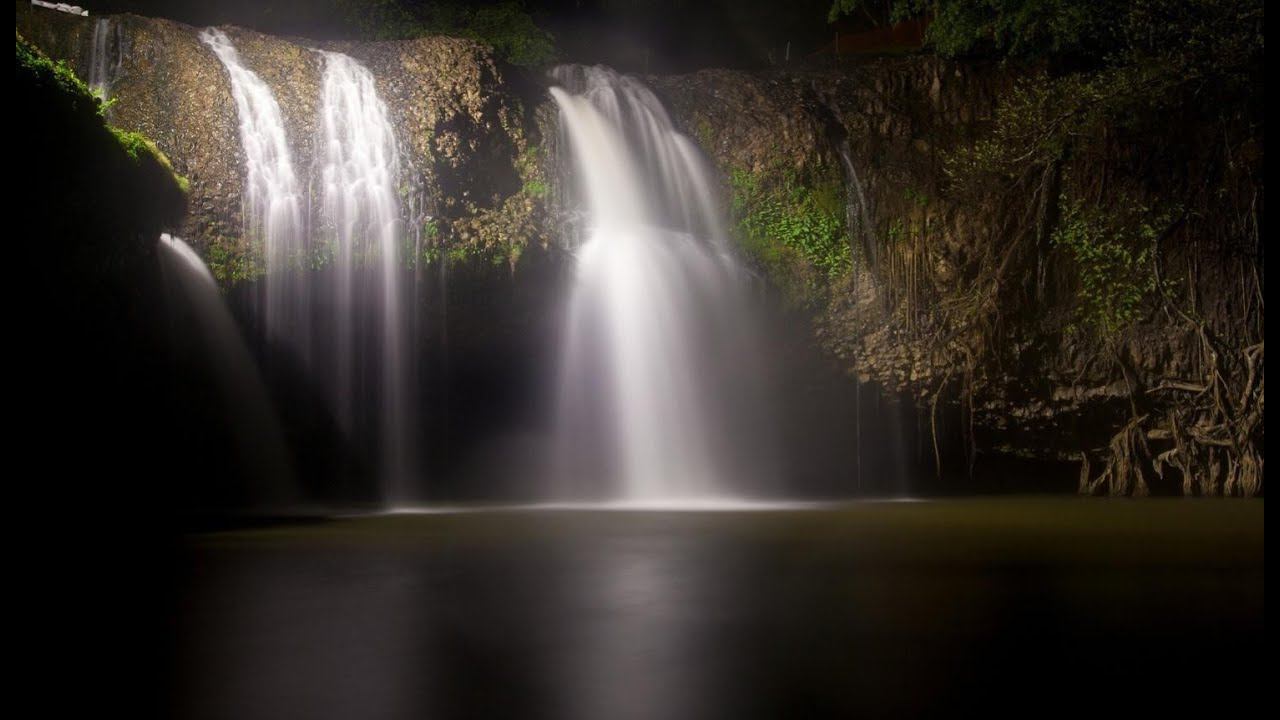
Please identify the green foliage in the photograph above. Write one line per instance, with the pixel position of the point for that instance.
(706, 134)
(505, 25)
(528, 162)
(897, 232)
(512, 33)
(464, 252)
(1097, 31)
(105, 103)
(1178, 63)
(1025, 28)
(806, 219)
(137, 146)
(535, 188)
(134, 159)
(1115, 258)
(1036, 122)
(58, 75)
(230, 264)
(916, 197)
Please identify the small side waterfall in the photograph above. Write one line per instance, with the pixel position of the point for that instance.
(273, 205)
(105, 54)
(197, 303)
(857, 214)
(359, 175)
(659, 401)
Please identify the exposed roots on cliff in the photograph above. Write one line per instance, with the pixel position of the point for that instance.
(1210, 434)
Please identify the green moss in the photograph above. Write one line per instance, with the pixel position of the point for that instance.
(141, 149)
(706, 134)
(130, 177)
(232, 261)
(497, 235)
(528, 164)
(59, 75)
(535, 188)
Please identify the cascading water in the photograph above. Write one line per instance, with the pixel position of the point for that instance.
(252, 420)
(105, 55)
(359, 175)
(272, 200)
(857, 214)
(347, 322)
(659, 385)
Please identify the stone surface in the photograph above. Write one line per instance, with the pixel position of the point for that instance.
(479, 155)
(460, 126)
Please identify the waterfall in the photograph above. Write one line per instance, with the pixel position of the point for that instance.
(251, 417)
(347, 322)
(857, 214)
(359, 174)
(105, 55)
(272, 200)
(659, 393)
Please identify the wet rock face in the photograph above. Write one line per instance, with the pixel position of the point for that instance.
(893, 118)
(479, 160)
(59, 35)
(748, 122)
(172, 88)
(463, 126)
(460, 129)
(897, 119)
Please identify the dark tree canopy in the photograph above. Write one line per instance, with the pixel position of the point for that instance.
(1088, 30)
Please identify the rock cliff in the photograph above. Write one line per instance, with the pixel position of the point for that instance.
(843, 185)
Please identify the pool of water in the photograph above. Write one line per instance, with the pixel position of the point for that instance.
(1034, 606)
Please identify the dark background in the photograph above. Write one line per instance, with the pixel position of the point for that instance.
(631, 35)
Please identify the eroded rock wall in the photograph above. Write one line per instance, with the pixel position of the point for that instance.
(873, 138)
(1018, 372)
(462, 132)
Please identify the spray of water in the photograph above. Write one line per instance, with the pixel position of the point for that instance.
(252, 419)
(658, 389)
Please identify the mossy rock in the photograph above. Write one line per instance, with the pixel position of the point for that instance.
(104, 172)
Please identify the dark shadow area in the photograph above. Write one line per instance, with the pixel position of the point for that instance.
(118, 431)
(655, 36)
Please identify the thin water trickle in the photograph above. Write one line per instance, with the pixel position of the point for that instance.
(857, 214)
(104, 57)
(658, 395)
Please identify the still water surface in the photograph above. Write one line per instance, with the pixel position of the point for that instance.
(1028, 606)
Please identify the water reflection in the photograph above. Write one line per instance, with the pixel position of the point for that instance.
(638, 649)
(275, 635)
(884, 609)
